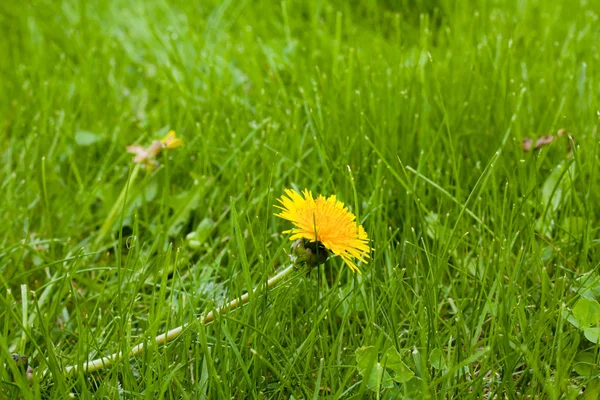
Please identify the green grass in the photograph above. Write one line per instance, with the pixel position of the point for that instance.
(480, 251)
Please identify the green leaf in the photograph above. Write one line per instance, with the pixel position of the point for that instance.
(200, 235)
(183, 204)
(556, 186)
(150, 191)
(436, 358)
(371, 370)
(86, 138)
(555, 191)
(394, 362)
(587, 312)
(592, 334)
(592, 390)
(568, 315)
(585, 364)
(204, 229)
(589, 284)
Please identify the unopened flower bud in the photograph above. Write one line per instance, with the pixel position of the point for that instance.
(305, 252)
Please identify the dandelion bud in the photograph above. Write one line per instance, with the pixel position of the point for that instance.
(308, 253)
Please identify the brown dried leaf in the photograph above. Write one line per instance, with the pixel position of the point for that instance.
(154, 148)
(141, 153)
(146, 155)
(543, 141)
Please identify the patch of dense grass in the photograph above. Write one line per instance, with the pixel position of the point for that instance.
(480, 249)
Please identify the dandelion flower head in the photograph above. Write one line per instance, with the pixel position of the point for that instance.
(171, 141)
(327, 221)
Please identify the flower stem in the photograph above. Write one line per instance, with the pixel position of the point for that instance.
(105, 362)
(119, 204)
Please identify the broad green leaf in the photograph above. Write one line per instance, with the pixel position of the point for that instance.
(150, 191)
(86, 138)
(409, 390)
(198, 237)
(589, 285)
(592, 334)
(371, 370)
(394, 362)
(555, 191)
(183, 204)
(204, 229)
(585, 364)
(145, 195)
(436, 358)
(393, 394)
(557, 186)
(592, 390)
(587, 312)
(568, 315)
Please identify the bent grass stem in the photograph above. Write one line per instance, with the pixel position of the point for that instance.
(105, 362)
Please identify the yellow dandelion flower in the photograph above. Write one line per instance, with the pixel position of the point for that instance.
(327, 221)
(171, 141)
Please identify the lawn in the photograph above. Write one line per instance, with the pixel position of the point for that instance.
(429, 119)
